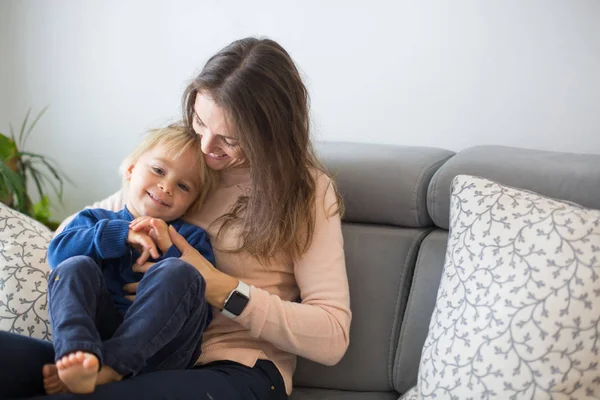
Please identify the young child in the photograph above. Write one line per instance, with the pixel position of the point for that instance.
(99, 334)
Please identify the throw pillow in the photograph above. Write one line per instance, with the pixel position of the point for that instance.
(517, 314)
(23, 275)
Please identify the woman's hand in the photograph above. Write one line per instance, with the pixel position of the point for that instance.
(218, 284)
(156, 228)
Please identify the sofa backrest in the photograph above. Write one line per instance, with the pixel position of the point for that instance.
(395, 234)
(572, 177)
(385, 193)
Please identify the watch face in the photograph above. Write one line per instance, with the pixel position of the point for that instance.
(236, 304)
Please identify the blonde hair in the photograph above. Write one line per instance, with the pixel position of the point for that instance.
(177, 140)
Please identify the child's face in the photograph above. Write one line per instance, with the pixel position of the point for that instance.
(161, 186)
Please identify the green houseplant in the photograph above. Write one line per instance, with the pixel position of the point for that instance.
(19, 167)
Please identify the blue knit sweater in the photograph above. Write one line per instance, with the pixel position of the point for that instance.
(102, 235)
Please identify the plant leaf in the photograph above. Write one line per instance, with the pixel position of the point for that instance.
(44, 177)
(41, 210)
(59, 176)
(17, 167)
(34, 174)
(22, 131)
(12, 131)
(51, 164)
(12, 183)
(35, 121)
(8, 148)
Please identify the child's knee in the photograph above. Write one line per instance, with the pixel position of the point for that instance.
(78, 266)
(176, 271)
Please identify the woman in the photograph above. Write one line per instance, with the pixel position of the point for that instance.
(281, 288)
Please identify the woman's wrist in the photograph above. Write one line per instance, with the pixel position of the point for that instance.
(219, 287)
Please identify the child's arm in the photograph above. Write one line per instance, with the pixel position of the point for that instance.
(98, 234)
(113, 203)
(159, 231)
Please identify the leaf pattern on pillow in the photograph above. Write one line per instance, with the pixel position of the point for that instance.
(23, 275)
(517, 314)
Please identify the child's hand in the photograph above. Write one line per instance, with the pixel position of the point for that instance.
(143, 243)
(156, 228)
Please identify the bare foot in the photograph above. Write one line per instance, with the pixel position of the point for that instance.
(52, 383)
(107, 375)
(78, 371)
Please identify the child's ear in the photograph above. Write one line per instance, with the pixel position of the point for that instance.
(128, 172)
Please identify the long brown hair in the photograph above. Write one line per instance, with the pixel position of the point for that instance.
(262, 94)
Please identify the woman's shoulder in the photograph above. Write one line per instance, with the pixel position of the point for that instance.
(322, 178)
(327, 193)
(114, 202)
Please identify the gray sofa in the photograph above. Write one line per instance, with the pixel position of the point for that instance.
(395, 233)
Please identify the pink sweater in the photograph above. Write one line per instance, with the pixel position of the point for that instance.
(274, 325)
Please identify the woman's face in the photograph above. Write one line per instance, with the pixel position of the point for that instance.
(220, 147)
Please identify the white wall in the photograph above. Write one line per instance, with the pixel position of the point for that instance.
(434, 73)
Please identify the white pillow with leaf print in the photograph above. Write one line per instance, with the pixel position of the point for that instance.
(517, 314)
(23, 275)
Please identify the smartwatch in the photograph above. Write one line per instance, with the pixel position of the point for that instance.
(236, 301)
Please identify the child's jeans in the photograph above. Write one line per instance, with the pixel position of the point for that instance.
(162, 329)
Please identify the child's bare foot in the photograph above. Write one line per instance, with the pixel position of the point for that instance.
(78, 371)
(52, 383)
(107, 375)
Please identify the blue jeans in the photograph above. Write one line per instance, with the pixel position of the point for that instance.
(162, 329)
(22, 358)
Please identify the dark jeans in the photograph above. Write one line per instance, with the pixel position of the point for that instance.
(22, 358)
(162, 329)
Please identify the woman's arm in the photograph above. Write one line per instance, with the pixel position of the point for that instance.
(318, 327)
(113, 203)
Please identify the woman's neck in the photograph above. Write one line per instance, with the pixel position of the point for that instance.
(234, 176)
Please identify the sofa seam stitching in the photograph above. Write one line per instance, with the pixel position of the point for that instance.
(391, 357)
(408, 302)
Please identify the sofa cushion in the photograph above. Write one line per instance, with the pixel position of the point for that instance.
(380, 262)
(515, 314)
(574, 177)
(323, 394)
(415, 324)
(23, 275)
(383, 184)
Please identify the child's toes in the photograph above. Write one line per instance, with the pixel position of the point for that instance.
(90, 363)
(66, 361)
